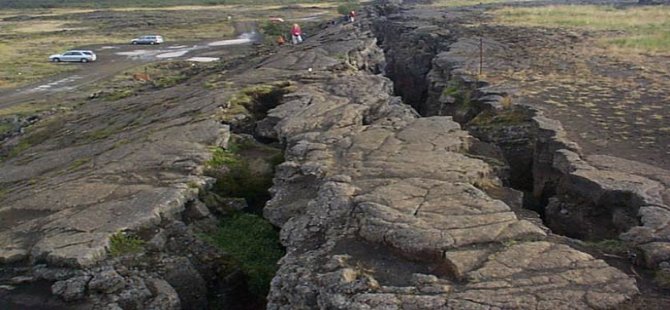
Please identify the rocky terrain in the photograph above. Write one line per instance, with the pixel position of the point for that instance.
(379, 206)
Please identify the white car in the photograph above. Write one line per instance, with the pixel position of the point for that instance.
(151, 39)
(74, 56)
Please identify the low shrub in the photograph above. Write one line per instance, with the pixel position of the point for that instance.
(348, 6)
(121, 244)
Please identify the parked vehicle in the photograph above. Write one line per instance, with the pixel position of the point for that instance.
(74, 56)
(151, 39)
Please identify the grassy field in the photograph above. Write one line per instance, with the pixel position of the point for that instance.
(635, 29)
(23, 4)
(28, 37)
(26, 45)
(457, 3)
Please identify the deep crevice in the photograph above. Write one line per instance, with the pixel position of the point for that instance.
(244, 173)
(509, 138)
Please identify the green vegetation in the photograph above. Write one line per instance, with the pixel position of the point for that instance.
(662, 278)
(100, 134)
(245, 170)
(169, 81)
(249, 168)
(507, 117)
(119, 94)
(254, 101)
(460, 92)
(348, 6)
(78, 163)
(452, 89)
(643, 28)
(36, 106)
(248, 95)
(612, 246)
(36, 135)
(153, 76)
(5, 127)
(254, 243)
(274, 29)
(122, 244)
(223, 157)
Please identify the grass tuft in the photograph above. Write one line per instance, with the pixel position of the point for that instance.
(122, 244)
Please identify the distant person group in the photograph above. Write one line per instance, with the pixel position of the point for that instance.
(297, 34)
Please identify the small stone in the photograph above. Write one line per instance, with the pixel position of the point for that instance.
(421, 279)
(21, 279)
(165, 297)
(655, 252)
(108, 281)
(462, 262)
(158, 241)
(71, 289)
(435, 289)
(197, 210)
(113, 306)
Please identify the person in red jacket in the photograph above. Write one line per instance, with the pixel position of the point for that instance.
(296, 34)
(352, 15)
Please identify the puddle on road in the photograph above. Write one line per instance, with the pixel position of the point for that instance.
(203, 59)
(173, 54)
(247, 37)
(133, 53)
(55, 85)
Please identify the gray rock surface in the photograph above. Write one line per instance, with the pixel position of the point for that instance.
(71, 289)
(380, 209)
(594, 197)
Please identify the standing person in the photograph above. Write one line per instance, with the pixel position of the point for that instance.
(352, 15)
(296, 34)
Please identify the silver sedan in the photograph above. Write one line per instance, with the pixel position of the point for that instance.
(74, 56)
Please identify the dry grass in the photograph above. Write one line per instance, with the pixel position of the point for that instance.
(26, 43)
(26, 108)
(24, 59)
(457, 3)
(638, 29)
(42, 26)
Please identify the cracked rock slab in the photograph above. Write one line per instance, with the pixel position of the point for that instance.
(390, 214)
